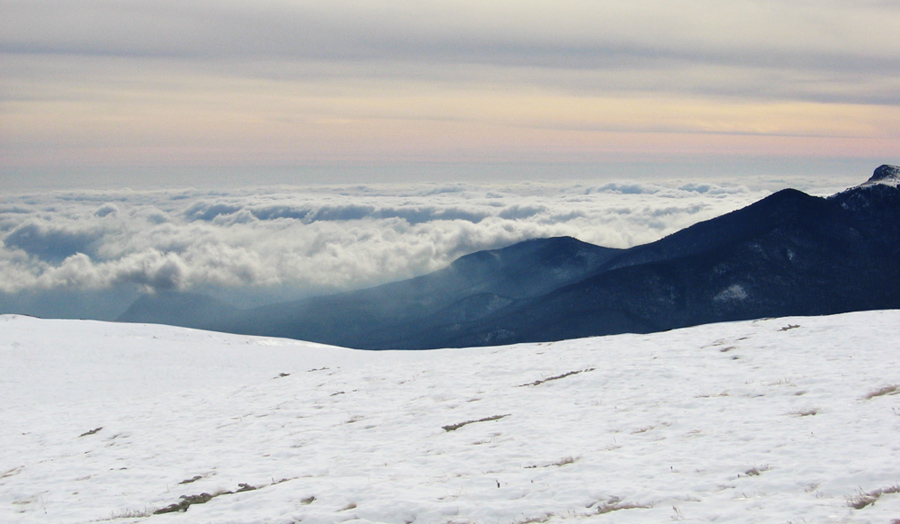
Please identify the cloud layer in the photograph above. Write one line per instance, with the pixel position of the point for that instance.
(90, 254)
(321, 237)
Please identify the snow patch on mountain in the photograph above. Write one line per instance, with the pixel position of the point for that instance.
(731, 293)
(885, 175)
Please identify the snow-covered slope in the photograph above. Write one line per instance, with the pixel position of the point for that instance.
(779, 420)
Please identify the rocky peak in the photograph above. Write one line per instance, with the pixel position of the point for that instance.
(885, 174)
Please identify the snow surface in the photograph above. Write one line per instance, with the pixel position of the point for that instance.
(779, 420)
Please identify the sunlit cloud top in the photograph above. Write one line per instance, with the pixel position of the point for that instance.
(324, 237)
(317, 238)
(122, 85)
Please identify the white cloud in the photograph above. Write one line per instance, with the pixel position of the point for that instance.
(320, 237)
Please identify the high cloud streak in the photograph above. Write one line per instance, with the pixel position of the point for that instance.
(113, 85)
(561, 34)
(320, 237)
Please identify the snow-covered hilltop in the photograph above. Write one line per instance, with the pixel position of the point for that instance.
(885, 174)
(792, 419)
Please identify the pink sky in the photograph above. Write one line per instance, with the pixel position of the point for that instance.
(119, 86)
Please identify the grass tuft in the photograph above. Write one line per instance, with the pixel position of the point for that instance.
(91, 432)
(559, 463)
(755, 472)
(188, 500)
(862, 500)
(190, 480)
(886, 390)
(557, 377)
(454, 427)
(618, 506)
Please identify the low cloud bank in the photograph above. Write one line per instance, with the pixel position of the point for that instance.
(317, 238)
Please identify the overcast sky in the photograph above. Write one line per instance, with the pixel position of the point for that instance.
(137, 93)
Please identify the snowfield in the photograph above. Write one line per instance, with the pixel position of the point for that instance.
(778, 420)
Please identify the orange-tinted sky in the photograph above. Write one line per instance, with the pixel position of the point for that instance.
(136, 87)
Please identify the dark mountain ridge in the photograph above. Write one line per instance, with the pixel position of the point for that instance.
(471, 287)
(180, 309)
(788, 254)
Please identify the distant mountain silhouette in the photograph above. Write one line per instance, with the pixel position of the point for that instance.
(788, 254)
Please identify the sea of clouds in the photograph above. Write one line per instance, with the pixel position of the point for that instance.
(258, 245)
